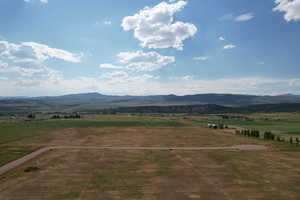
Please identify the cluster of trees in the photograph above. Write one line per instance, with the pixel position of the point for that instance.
(31, 116)
(241, 118)
(55, 117)
(268, 135)
(72, 116)
(249, 133)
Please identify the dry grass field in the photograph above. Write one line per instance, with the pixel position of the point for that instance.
(139, 174)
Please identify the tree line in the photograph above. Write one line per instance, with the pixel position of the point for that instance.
(267, 135)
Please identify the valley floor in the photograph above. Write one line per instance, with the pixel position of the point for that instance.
(273, 173)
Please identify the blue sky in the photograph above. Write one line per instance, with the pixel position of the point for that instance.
(142, 47)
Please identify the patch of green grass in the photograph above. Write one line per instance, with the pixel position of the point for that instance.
(8, 154)
(31, 169)
(15, 131)
(71, 195)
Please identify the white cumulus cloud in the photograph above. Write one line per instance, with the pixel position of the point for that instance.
(155, 27)
(244, 17)
(290, 7)
(294, 82)
(238, 18)
(3, 64)
(107, 22)
(203, 58)
(112, 66)
(229, 46)
(140, 61)
(24, 76)
(221, 38)
(34, 52)
(186, 78)
(42, 1)
(124, 77)
(110, 75)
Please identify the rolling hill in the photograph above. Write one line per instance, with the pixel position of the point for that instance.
(96, 101)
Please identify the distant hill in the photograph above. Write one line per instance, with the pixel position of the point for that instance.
(96, 101)
(206, 109)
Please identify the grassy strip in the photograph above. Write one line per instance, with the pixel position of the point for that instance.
(8, 154)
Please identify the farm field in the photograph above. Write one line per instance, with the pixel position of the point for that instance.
(19, 130)
(283, 123)
(143, 174)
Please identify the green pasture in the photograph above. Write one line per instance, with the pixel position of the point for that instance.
(8, 154)
(284, 126)
(14, 131)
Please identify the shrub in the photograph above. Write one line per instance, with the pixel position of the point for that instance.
(272, 136)
(31, 116)
(72, 116)
(257, 134)
(221, 126)
(55, 117)
(278, 138)
(31, 169)
(269, 136)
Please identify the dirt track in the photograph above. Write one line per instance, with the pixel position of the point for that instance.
(33, 155)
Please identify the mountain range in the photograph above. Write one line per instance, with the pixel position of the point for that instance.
(94, 101)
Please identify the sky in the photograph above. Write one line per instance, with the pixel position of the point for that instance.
(149, 47)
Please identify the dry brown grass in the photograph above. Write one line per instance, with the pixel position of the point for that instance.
(209, 175)
(115, 174)
(186, 136)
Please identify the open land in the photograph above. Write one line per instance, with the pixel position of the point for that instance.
(273, 173)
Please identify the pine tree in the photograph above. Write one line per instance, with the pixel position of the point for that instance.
(278, 138)
(272, 136)
(291, 140)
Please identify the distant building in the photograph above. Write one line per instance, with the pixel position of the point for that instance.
(213, 125)
(28, 119)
